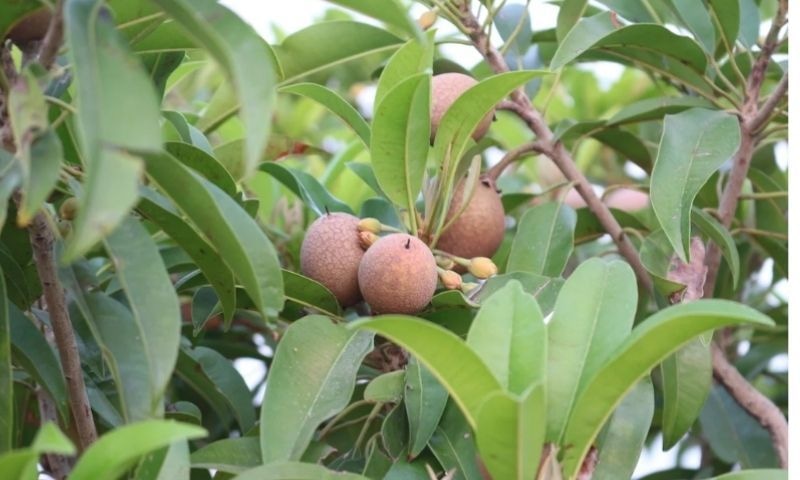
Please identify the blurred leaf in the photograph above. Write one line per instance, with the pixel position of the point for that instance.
(593, 315)
(170, 462)
(749, 20)
(425, 400)
(244, 247)
(10, 179)
(386, 388)
(160, 65)
(460, 370)
(649, 343)
(6, 374)
(391, 12)
(685, 381)
(327, 44)
(453, 445)
(655, 108)
(109, 119)
(721, 236)
(569, 14)
(282, 470)
(694, 144)
(756, 474)
(308, 188)
(543, 289)
(544, 239)
(203, 163)
(401, 135)
(243, 55)
(367, 174)
(13, 12)
(413, 58)
(116, 451)
(622, 440)
(231, 455)
(311, 379)
(697, 19)
(22, 463)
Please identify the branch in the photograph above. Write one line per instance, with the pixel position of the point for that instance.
(521, 105)
(51, 43)
(511, 157)
(760, 119)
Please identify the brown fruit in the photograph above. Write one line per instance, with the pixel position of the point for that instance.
(331, 253)
(627, 199)
(32, 27)
(479, 230)
(398, 274)
(445, 89)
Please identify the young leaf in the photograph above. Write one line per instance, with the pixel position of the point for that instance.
(453, 445)
(203, 163)
(695, 143)
(413, 58)
(593, 316)
(308, 188)
(425, 400)
(282, 470)
(230, 455)
(652, 341)
(243, 55)
(460, 370)
(721, 236)
(312, 378)
(544, 240)
(6, 374)
(686, 381)
(386, 388)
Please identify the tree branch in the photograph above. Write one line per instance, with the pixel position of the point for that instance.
(512, 156)
(764, 113)
(51, 43)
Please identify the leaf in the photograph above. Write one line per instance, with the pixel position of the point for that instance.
(311, 379)
(697, 19)
(685, 381)
(6, 374)
(308, 188)
(203, 163)
(365, 173)
(391, 12)
(231, 455)
(509, 335)
(10, 178)
(694, 144)
(756, 474)
(45, 166)
(243, 55)
(425, 400)
(295, 471)
(628, 145)
(170, 462)
(22, 463)
(511, 433)
(335, 103)
(116, 451)
(656, 255)
(386, 388)
(655, 108)
(721, 236)
(726, 16)
(569, 15)
(244, 247)
(620, 445)
(453, 445)
(544, 239)
(749, 20)
(400, 139)
(649, 343)
(543, 289)
(394, 433)
(327, 44)
(593, 316)
(460, 370)
(308, 293)
(413, 58)
(109, 119)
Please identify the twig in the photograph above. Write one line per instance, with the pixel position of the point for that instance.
(53, 38)
(59, 466)
(512, 156)
(761, 118)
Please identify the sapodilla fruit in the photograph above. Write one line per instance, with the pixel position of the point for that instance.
(445, 89)
(32, 27)
(397, 274)
(479, 230)
(331, 253)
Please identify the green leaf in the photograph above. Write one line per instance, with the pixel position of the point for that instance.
(113, 453)
(109, 119)
(569, 14)
(391, 12)
(654, 109)
(152, 299)
(694, 144)
(308, 293)
(22, 463)
(413, 58)
(460, 370)
(6, 374)
(308, 188)
(726, 17)
(311, 379)
(170, 462)
(400, 139)
(628, 145)
(511, 433)
(386, 388)
(625, 432)
(243, 55)
(721, 236)
(593, 316)
(295, 471)
(425, 400)
(203, 163)
(335, 103)
(327, 44)
(509, 335)
(749, 21)
(45, 166)
(453, 445)
(244, 247)
(756, 474)
(394, 433)
(231, 455)
(544, 289)
(656, 255)
(10, 178)
(685, 381)
(544, 239)
(697, 19)
(652, 341)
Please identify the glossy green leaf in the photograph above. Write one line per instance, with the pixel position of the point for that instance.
(755, 474)
(20, 464)
(460, 370)
(391, 12)
(511, 433)
(170, 462)
(311, 379)
(243, 55)
(109, 119)
(656, 255)
(394, 433)
(593, 316)
(628, 145)
(655, 108)
(652, 341)
(694, 144)
(544, 240)
(569, 14)
(722, 237)
(413, 58)
(697, 19)
(6, 374)
(295, 471)
(231, 455)
(509, 335)
(113, 453)
(685, 381)
(453, 445)
(425, 400)
(10, 179)
(327, 44)
(726, 18)
(244, 247)
(544, 289)
(335, 103)
(624, 434)
(308, 293)
(386, 388)
(151, 297)
(308, 188)
(400, 139)
(203, 163)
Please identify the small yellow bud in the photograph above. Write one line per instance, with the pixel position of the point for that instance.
(366, 239)
(482, 267)
(446, 263)
(450, 279)
(69, 208)
(427, 19)
(369, 224)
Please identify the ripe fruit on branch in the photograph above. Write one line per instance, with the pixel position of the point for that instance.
(32, 27)
(445, 89)
(331, 253)
(398, 274)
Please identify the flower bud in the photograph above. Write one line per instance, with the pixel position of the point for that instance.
(427, 19)
(446, 263)
(366, 239)
(482, 267)
(450, 279)
(68, 209)
(369, 224)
